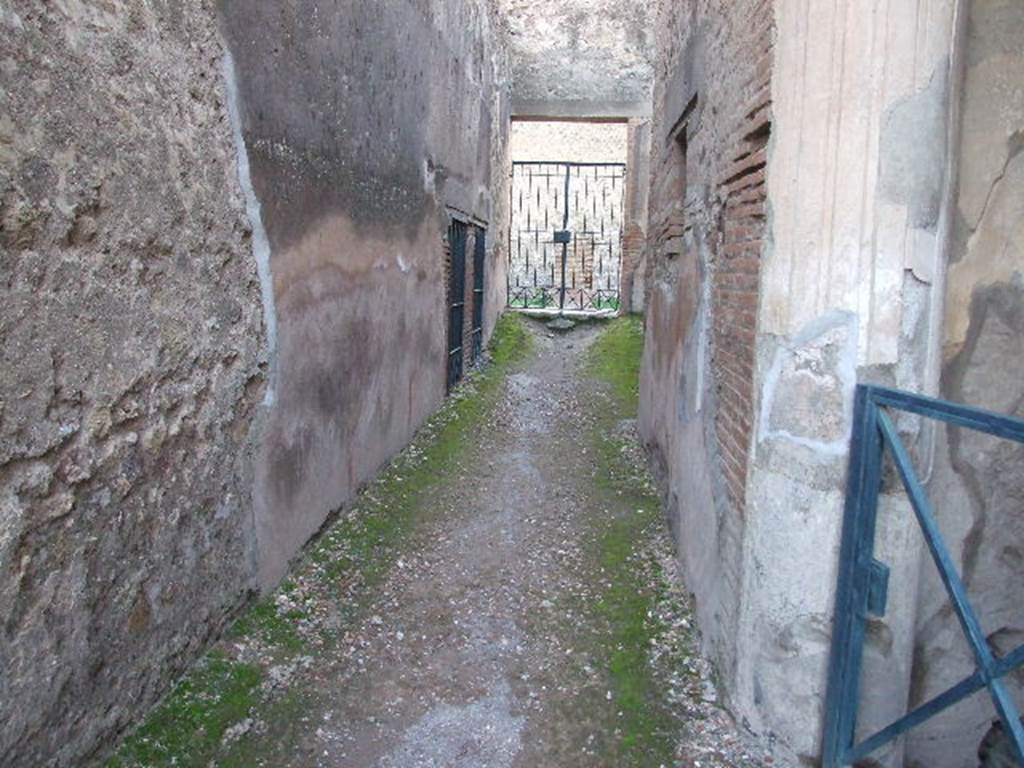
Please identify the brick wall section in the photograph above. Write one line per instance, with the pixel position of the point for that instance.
(709, 134)
(634, 240)
(737, 265)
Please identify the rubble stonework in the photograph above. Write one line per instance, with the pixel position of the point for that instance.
(580, 58)
(133, 366)
(213, 301)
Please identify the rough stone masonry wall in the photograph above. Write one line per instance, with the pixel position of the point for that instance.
(580, 58)
(222, 309)
(132, 365)
(708, 136)
(978, 482)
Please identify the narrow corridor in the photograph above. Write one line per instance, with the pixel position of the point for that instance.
(501, 597)
(262, 505)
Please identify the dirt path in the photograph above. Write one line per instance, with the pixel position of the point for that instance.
(525, 620)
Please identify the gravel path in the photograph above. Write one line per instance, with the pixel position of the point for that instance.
(494, 641)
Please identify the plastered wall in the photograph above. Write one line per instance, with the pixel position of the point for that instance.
(852, 288)
(790, 258)
(402, 117)
(221, 309)
(580, 58)
(978, 482)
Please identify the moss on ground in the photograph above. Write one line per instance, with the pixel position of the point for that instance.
(614, 358)
(190, 725)
(646, 723)
(187, 730)
(365, 545)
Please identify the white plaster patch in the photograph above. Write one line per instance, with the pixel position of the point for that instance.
(803, 376)
(260, 240)
(429, 178)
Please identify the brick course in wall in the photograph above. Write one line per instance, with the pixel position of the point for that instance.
(710, 132)
(736, 276)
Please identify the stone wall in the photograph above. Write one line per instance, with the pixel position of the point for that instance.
(395, 126)
(580, 58)
(568, 141)
(852, 286)
(804, 206)
(132, 365)
(978, 482)
(708, 134)
(221, 270)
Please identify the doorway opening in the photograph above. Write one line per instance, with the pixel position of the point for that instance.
(567, 211)
(465, 331)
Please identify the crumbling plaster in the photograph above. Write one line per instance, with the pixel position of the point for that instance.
(580, 58)
(707, 75)
(978, 482)
(857, 177)
(355, 202)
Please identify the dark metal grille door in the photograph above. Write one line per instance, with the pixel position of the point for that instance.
(565, 248)
(456, 300)
(479, 254)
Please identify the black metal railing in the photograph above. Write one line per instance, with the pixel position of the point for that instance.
(457, 236)
(565, 238)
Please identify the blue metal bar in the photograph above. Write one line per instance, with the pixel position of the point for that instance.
(954, 695)
(989, 422)
(933, 538)
(860, 588)
(1010, 661)
(1009, 715)
(954, 586)
(863, 484)
(943, 701)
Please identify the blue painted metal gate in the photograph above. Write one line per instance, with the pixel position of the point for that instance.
(863, 580)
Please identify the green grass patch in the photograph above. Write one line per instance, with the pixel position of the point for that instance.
(187, 729)
(646, 723)
(614, 358)
(627, 607)
(263, 621)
